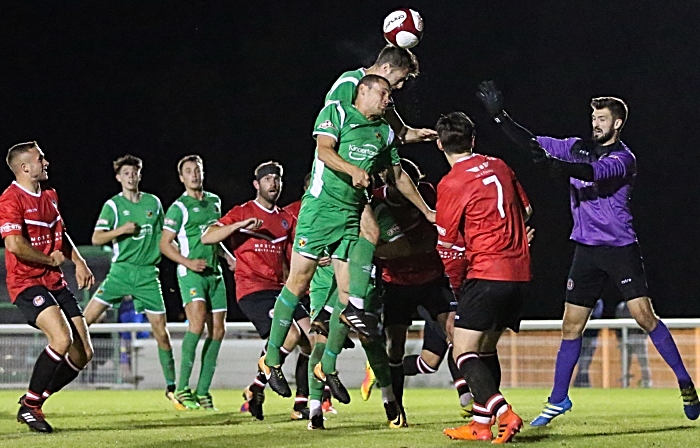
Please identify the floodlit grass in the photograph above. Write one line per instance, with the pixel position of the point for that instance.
(600, 418)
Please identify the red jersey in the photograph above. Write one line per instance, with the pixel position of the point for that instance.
(481, 199)
(34, 216)
(293, 208)
(261, 254)
(455, 263)
(416, 269)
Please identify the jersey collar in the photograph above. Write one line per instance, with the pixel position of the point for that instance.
(31, 193)
(274, 209)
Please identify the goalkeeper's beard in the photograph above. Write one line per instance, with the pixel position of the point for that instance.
(604, 137)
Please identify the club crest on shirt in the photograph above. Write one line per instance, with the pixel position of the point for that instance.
(285, 224)
(149, 213)
(193, 292)
(38, 300)
(570, 285)
(378, 135)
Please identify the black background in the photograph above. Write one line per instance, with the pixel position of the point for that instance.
(242, 82)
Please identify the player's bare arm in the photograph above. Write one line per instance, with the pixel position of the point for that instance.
(228, 256)
(83, 274)
(172, 251)
(218, 233)
(18, 245)
(420, 135)
(410, 192)
(327, 154)
(101, 237)
(398, 248)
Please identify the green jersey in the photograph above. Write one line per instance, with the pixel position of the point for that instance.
(188, 218)
(367, 144)
(343, 89)
(141, 248)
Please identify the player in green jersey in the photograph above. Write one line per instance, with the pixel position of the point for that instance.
(324, 296)
(199, 276)
(352, 141)
(132, 222)
(397, 65)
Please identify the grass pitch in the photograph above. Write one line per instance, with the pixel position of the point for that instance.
(600, 418)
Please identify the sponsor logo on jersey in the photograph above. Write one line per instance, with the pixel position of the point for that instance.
(285, 224)
(570, 285)
(38, 300)
(170, 222)
(327, 124)
(393, 230)
(146, 229)
(9, 227)
(363, 152)
(193, 292)
(102, 222)
(301, 242)
(441, 230)
(32, 210)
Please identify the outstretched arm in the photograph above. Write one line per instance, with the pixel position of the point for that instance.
(405, 185)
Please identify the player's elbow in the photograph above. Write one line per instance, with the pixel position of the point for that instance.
(12, 244)
(97, 238)
(208, 237)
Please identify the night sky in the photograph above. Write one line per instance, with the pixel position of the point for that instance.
(240, 84)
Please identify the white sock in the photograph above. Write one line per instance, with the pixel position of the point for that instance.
(481, 419)
(357, 302)
(315, 408)
(465, 399)
(388, 394)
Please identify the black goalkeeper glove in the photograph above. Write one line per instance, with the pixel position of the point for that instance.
(491, 97)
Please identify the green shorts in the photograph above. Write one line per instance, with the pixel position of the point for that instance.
(140, 282)
(209, 288)
(325, 227)
(323, 293)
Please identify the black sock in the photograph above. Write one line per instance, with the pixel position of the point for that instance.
(302, 375)
(44, 369)
(459, 382)
(410, 366)
(260, 381)
(66, 372)
(397, 380)
(493, 364)
(326, 394)
(478, 377)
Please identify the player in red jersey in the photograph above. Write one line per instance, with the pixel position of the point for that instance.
(294, 207)
(262, 252)
(481, 200)
(414, 280)
(36, 246)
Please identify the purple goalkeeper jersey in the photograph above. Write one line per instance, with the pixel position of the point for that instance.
(601, 209)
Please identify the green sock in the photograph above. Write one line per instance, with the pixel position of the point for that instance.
(167, 363)
(378, 361)
(210, 352)
(360, 266)
(189, 349)
(315, 386)
(337, 332)
(281, 321)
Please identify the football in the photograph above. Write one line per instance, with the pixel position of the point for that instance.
(403, 28)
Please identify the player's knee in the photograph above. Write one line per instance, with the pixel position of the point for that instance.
(572, 329)
(218, 333)
(61, 344)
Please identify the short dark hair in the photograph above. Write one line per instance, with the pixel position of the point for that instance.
(191, 158)
(412, 169)
(456, 132)
(127, 160)
(399, 58)
(369, 81)
(617, 107)
(16, 150)
(266, 168)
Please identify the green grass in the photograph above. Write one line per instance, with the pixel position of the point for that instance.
(600, 418)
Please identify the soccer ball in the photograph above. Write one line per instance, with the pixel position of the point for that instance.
(403, 28)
